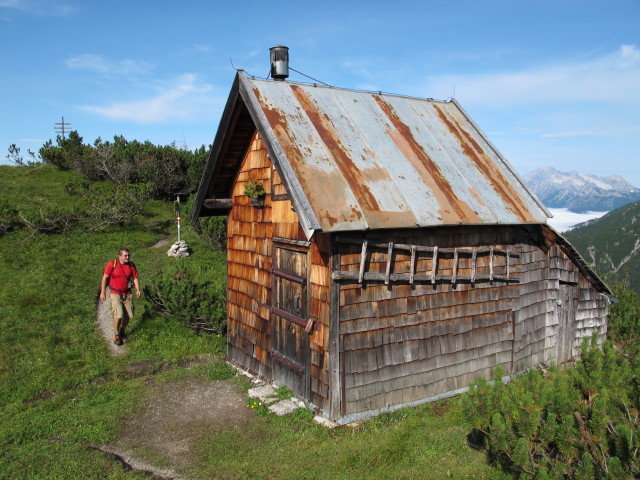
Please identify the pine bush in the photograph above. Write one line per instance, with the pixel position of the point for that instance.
(581, 422)
(8, 216)
(191, 295)
(624, 316)
(212, 230)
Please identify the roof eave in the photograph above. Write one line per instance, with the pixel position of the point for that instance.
(299, 200)
(214, 154)
(580, 262)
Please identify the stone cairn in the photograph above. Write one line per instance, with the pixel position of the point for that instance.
(179, 249)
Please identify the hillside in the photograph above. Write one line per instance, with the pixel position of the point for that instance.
(579, 192)
(612, 244)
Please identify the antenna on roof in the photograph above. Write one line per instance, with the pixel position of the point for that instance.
(454, 94)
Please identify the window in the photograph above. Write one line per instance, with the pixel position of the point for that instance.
(290, 282)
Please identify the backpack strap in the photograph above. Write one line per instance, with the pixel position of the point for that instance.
(113, 267)
(115, 263)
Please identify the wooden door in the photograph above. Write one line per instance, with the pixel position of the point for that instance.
(289, 342)
(567, 304)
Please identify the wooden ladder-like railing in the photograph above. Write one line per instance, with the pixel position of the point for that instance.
(432, 276)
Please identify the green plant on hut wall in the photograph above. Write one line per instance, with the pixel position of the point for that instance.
(254, 189)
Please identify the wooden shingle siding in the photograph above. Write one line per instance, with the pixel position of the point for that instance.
(410, 341)
(591, 306)
(405, 342)
(250, 233)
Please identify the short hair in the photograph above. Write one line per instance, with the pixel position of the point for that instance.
(123, 250)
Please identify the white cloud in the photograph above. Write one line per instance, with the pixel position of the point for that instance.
(564, 219)
(184, 99)
(568, 134)
(98, 64)
(202, 48)
(613, 77)
(40, 7)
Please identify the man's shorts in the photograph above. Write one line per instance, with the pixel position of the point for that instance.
(121, 304)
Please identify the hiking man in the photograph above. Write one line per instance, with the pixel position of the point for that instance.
(121, 275)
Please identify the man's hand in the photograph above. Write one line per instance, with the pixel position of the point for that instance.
(138, 293)
(103, 296)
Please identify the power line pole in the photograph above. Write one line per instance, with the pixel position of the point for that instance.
(60, 127)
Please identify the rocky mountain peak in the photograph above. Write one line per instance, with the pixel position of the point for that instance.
(580, 192)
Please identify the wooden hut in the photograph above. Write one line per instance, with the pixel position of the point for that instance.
(396, 256)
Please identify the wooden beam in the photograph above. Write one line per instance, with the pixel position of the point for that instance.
(491, 264)
(389, 258)
(434, 266)
(363, 259)
(473, 266)
(455, 266)
(404, 277)
(215, 203)
(337, 406)
(412, 270)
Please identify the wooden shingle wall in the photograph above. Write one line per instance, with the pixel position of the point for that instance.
(592, 313)
(286, 225)
(591, 306)
(250, 233)
(402, 342)
(533, 308)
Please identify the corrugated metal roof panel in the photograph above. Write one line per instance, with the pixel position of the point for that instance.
(371, 161)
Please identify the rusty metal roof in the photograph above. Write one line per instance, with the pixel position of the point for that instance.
(360, 160)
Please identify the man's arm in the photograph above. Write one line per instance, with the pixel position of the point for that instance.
(137, 285)
(103, 287)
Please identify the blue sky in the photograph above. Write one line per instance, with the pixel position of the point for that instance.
(550, 82)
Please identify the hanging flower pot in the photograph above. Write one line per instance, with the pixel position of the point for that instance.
(257, 202)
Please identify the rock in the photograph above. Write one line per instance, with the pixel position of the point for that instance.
(179, 249)
(284, 407)
(264, 393)
(325, 422)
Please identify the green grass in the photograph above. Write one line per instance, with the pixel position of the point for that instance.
(62, 394)
(418, 443)
(60, 390)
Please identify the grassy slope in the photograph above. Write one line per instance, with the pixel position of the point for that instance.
(59, 389)
(62, 393)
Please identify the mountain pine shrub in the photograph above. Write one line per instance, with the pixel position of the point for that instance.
(8, 216)
(190, 295)
(106, 204)
(50, 219)
(624, 316)
(167, 169)
(212, 230)
(580, 422)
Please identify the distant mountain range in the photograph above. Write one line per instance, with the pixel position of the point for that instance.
(579, 192)
(611, 244)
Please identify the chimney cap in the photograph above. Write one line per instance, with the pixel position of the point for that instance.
(279, 56)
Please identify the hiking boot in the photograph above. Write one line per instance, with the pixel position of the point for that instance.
(117, 339)
(123, 334)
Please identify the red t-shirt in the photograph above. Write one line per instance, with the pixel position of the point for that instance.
(119, 276)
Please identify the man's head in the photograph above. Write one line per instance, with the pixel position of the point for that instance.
(123, 255)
